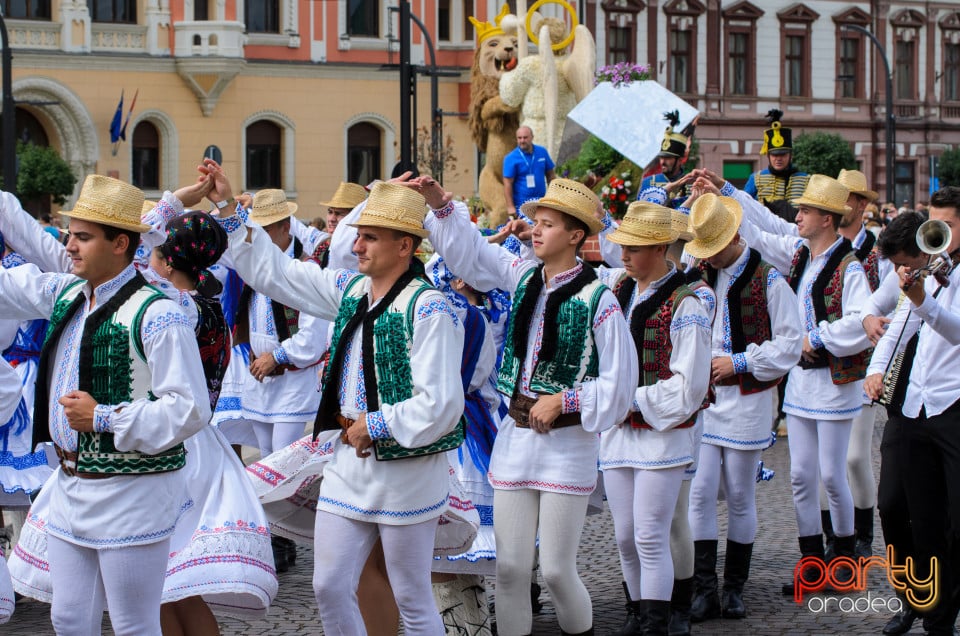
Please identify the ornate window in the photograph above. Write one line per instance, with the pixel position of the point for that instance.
(124, 11)
(682, 18)
(740, 34)
(364, 152)
(145, 153)
(851, 70)
(950, 77)
(621, 30)
(263, 155)
(906, 31)
(795, 26)
(262, 16)
(26, 9)
(363, 18)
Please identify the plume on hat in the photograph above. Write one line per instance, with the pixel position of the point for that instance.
(673, 117)
(774, 114)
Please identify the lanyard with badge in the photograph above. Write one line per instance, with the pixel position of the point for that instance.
(531, 180)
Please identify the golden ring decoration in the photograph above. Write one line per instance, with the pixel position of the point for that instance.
(559, 46)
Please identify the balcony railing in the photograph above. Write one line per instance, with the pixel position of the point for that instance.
(209, 39)
(33, 34)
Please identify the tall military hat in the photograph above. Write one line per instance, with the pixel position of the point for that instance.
(674, 144)
(776, 139)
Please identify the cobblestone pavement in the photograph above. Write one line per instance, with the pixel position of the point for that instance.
(769, 613)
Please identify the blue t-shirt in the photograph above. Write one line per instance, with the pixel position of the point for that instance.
(518, 164)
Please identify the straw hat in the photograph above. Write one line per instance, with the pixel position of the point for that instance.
(270, 206)
(570, 197)
(395, 207)
(825, 194)
(714, 221)
(645, 224)
(347, 196)
(681, 224)
(147, 207)
(110, 202)
(856, 182)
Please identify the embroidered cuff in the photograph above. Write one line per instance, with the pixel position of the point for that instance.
(280, 356)
(739, 363)
(243, 212)
(814, 337)
(377, 426)
(445, 211)
(166, 210)
(653, 194)
(232, 223)
(101, 418)
(684, 211)
(727, 190)
(571, 401)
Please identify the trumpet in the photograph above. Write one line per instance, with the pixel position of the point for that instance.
(933, 238)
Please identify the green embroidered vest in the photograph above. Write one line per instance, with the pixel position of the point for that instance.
(118, 372)
(392, 342)
(577, 358)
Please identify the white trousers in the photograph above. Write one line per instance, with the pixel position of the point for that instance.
(642, 503)
(738, 470)
(517, 514)
(863, 486)
(819, 447)
(681, 537)
(127, 581)
(341, 549)
(273, 437)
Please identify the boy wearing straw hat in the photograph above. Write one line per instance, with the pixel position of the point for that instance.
(122, 387)
(569, 369)
(645, 459)
(393, 388)
(831, 289)
(347, 197)
(755, 343)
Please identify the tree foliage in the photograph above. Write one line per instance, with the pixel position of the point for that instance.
(949, 168)
(823, 153)
(43, 172)
(595, 156)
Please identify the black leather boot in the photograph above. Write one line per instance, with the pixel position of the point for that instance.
(735, 574)
(589, 632)
(280, 562)
(809, 546)
(657, 617)
(844, 546)
(863, 531)
(634, 623)
(827, 522)
(680, 604)
(902, 621)
(706, 599)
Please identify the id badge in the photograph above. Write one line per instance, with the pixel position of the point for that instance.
(531, 181)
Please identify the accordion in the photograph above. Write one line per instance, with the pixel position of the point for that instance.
(890, 380)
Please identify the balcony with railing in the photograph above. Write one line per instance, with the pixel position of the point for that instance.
(33, 34)
(209, 39)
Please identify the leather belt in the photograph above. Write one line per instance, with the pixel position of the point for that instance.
(728, 381)
(68, 464)
(344, 423)
(637, 421)
(820, 362)
(519, 410)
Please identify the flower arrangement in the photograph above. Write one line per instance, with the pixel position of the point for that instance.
(622, 74)
(615, 195)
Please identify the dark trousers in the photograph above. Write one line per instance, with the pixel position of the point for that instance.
(931, 477)
(891, 495)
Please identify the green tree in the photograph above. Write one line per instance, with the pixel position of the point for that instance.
(43, 172)
(595, 156)
(823, 153)
(949, 168)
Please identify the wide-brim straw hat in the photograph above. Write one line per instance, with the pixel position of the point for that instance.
(570, 197)
(147, 208)
(856, 182)
(714, 222)
(347, 196)
(645, 224)
(824, 193)
(109, 201)
(681, 223)
(395, 207)
(270, 206)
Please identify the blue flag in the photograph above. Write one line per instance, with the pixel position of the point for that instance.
(116, 132)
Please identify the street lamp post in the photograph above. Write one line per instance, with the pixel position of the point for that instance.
(8, 125)
(890, 135)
